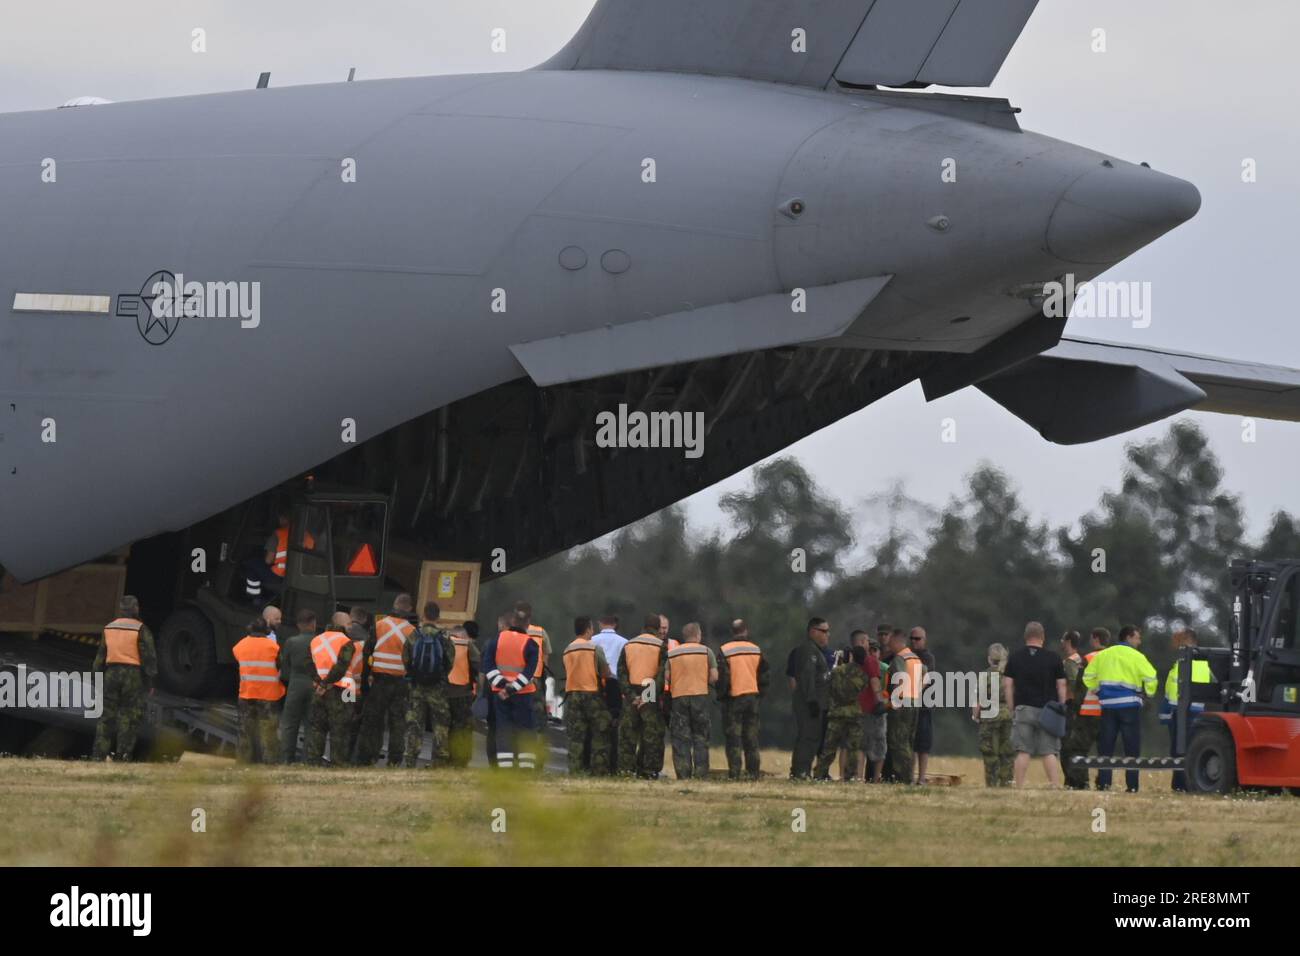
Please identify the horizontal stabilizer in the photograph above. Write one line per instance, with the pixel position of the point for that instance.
(731, 328)
(1084, 390)
(803, 42)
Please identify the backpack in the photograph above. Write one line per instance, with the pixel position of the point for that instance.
(428, 659)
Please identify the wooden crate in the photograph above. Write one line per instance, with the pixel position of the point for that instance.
(79, 601)
(454, 586)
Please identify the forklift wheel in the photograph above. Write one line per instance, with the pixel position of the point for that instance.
(187, 653)
(1212, 762)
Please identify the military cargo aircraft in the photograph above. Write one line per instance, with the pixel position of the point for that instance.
(433, 289)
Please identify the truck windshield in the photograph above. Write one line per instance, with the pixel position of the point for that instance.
(357, 547)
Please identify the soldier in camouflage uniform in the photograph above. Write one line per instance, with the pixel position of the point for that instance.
(428, 694)
(743, 677)
(844, 716)
(1073, 664)
(1083, 729)
(641, 730)
(129, 660)
(386, 687)
(586, 715)
(260, 695)
(462, 685)
(995, 732)
(333, 712)
(692, 669)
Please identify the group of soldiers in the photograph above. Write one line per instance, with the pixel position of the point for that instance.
(618, 714)
(861, 704)
(340, 688)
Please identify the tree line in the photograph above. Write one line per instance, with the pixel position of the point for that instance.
(1154, 552)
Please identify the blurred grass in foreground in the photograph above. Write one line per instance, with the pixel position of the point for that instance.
(79, 814)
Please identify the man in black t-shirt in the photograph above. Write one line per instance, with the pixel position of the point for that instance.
(1034, 676)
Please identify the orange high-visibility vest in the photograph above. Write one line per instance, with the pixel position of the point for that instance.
(122, 641)
(689, 666)
(913, 668)
(281, 551)
(325, 648)
(511, 662)
(668, 684)
(539, 634)
(742, 660)
(581, 670)
(641, 659)
(259, 669)
(460, 669)
(393, 633)
(1091, 706)
(352, 678)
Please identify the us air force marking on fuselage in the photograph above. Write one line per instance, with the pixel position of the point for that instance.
(166, 298)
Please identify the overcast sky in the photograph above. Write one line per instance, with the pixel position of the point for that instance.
(1191, 86)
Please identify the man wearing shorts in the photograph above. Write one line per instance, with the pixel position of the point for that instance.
(1034, 676)
(873, 714)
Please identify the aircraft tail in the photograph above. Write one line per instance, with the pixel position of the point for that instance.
(895, 43)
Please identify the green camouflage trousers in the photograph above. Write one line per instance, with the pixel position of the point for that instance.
(587, 721)
(995, 747)
(259, 731)
(641, 738)
(841, 732)
(332, 717)
(427, 705)
(384, 708)
(123, 702)
(1080, 739)
(690, 727)
(460, 730)
(295, 715)
(740, 728)
(540, 721)
(901, 732)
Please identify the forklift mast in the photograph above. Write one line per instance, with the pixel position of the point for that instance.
(1259, 671)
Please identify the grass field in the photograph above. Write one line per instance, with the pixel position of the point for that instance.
(79, 813)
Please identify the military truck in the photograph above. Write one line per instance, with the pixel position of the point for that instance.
(339, 555)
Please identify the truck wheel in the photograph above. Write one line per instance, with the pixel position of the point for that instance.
(187, 655)
(1212, 762)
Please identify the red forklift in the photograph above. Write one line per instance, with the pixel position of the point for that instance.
(1248, 734)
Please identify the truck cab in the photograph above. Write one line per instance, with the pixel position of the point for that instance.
(334, 558)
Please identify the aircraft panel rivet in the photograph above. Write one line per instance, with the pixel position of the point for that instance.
(940, 223)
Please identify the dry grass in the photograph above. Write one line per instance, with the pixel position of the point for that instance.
(78, 813)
